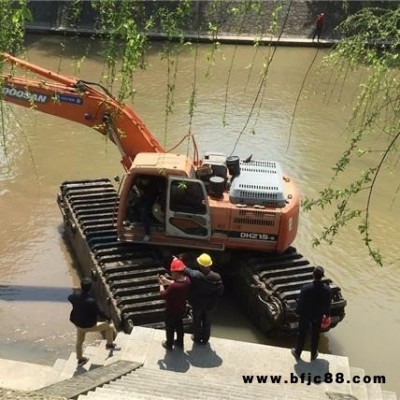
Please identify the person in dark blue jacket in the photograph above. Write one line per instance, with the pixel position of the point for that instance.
(206, 288)
(84, 315)
(313, 303)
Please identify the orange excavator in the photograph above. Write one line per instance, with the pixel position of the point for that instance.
(170, 203)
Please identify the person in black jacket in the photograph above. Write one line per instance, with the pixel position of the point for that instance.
(206, 287)
(84, 315)
(149, 189)
(313, 303)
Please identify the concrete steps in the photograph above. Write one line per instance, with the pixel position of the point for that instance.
(97, 354)
(209, 372)
(106, 396)
(71, 369)
(374, 391)
(196, 373)
(386, 395)
(173, 385)
(84, 383)
(359, 391)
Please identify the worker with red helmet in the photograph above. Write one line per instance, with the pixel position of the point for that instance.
(175, 296)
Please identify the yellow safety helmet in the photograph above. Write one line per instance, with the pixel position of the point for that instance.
(204, 260)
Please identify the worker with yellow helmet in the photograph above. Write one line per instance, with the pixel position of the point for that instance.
(206, 288)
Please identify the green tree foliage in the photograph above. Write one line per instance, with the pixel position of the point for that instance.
(124, 39)
(13, 16)
(371, 41)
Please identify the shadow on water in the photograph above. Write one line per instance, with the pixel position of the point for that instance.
(31, 352)
(34, 293)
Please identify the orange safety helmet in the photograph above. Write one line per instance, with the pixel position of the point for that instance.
(177, 265)
(326, 322)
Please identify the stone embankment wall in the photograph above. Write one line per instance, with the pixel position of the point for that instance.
(295, 18)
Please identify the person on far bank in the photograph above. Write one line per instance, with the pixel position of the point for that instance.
(313, 303)
(175, 297)
(318, 26)
(206, 288)
(85, 316)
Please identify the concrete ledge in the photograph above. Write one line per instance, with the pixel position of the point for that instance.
(202, 38)
(8, 394)
(17, 375)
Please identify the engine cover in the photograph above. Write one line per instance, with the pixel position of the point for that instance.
(260, 183)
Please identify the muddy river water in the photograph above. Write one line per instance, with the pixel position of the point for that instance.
(36, 268)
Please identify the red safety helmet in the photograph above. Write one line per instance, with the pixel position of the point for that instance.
(177, 265)
(326, 322)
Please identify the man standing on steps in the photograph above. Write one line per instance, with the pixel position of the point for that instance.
(206, 288)
(175, 302)
(84, 315)
(313, 303)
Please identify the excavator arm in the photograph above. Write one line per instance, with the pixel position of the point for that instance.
(34, 87)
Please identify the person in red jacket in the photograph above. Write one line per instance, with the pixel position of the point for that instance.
(319, 25)
(175, 297)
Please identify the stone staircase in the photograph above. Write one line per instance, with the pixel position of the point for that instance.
(98, 357)
(144, 370)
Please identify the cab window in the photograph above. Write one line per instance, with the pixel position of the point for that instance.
(187, 197)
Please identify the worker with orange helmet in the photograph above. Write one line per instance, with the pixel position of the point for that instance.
(175, 295)
(206, 288)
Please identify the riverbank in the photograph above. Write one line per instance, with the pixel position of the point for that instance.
(199, 38)
(285, 19)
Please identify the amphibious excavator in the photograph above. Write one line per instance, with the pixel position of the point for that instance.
(243, 212)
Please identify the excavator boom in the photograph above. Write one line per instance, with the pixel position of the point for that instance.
(77, 101)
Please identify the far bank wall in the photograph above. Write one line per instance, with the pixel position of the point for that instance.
(295, 18)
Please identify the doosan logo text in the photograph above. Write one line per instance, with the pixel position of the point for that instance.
(21, 94)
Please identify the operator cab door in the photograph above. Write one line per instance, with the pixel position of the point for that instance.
(188, 213)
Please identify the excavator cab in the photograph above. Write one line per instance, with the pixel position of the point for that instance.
(163, 204)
